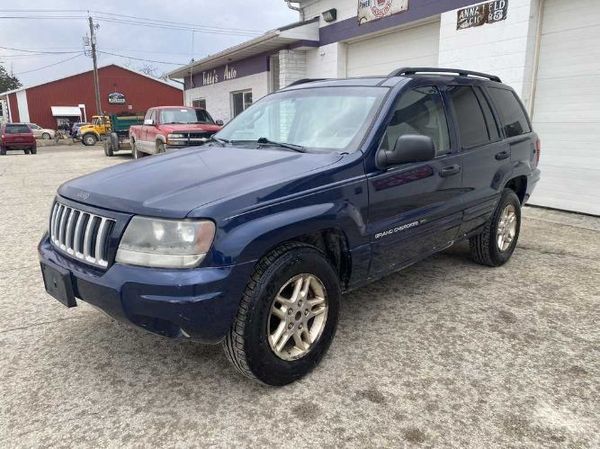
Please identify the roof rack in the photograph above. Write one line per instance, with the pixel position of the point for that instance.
(461, 72)
(306, 80)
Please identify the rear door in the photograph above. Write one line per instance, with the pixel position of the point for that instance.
(415, 208)
(486, 157)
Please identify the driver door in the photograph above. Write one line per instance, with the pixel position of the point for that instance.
(415, 208)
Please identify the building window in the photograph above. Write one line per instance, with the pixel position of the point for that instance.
(200, 103)
(240, 101)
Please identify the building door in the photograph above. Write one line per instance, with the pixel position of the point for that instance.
(416, 46)
(567, 106)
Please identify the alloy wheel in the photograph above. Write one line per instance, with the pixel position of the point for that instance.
(297, 317)
(507, 228)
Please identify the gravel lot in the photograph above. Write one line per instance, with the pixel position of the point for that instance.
(445, 354)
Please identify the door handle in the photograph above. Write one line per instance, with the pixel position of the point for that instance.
(502, 155)
(449, 171)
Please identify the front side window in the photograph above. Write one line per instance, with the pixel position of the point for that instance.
(419, 111)
(514, 120)
(184, 116)
(325, 119)
(240, 102)
(472, 126)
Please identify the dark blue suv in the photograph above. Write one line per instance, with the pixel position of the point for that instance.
(315, 190)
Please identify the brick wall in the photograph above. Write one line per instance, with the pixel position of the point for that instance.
(292, 66)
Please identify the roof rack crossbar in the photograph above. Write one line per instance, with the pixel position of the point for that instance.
(461, 72)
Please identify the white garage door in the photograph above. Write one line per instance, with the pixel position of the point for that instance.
(567, 106)
(380, 55)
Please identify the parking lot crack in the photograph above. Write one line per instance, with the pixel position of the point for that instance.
(43, 323)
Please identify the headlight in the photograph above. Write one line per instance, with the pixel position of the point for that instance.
(176, 136)
(152, 242)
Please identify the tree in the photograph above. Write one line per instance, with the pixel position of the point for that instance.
(8, 81)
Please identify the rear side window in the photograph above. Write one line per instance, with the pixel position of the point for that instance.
(472, 127)
(512, 114)
(17, 129)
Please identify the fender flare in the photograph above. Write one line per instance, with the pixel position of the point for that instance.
(252, 239)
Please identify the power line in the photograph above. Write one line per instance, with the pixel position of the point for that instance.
(37, 51)
(139, 59)
(178, 28)
(135, 18)
(171, 22)
(50, 65)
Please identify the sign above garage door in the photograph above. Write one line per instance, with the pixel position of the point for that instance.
(474, 16)
(369, 10)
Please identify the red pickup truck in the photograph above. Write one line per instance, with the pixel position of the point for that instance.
(169, 127)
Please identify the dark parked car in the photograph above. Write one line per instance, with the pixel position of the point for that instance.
(315, 190)
(17, 136)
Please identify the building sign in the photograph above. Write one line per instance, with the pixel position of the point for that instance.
(474, 16)
(116, 98)
(369, 10)
(217, 75)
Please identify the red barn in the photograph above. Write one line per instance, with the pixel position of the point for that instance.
(72, 99)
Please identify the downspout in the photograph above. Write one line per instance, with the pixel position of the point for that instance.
(536, 58)
(296, 8)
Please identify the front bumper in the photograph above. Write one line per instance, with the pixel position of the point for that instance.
(200, 304)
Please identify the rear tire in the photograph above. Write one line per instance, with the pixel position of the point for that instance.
(137, 154)
(46, 136)
(251, 345)
(33, 151)
(2, 151)
(496, 244)
(27, 151)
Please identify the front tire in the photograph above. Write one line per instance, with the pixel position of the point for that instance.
(496, 244)
(287, 317)
(89, 140)
(46, 136)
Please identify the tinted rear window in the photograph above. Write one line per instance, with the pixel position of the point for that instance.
(472, 127)
(512, 114)
(17, 129)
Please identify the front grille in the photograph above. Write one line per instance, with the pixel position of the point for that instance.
(205, 135)
(81, 234)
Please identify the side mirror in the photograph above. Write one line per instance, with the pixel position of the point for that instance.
(149, 122)
(408, 148)
(219, 122)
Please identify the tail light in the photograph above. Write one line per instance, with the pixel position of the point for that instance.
(538, 151)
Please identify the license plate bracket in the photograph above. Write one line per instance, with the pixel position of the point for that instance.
(59, 284)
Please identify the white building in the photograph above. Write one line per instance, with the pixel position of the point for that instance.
(547, 50)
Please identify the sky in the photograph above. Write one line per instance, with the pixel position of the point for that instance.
(61, 32)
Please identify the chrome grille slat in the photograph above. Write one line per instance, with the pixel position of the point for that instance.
(80, 234)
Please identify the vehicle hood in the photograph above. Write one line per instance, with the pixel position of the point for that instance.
(196, 127)
(173, 184)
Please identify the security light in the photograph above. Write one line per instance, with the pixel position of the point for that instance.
(330, 15)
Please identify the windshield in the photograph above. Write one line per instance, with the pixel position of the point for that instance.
(326, 118)
(185, 116)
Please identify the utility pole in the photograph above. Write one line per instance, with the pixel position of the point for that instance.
(95, 60)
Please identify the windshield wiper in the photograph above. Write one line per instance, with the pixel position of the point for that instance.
(219, 140)
(289, 146)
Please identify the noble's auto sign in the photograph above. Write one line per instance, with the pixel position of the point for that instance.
(369, 10)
